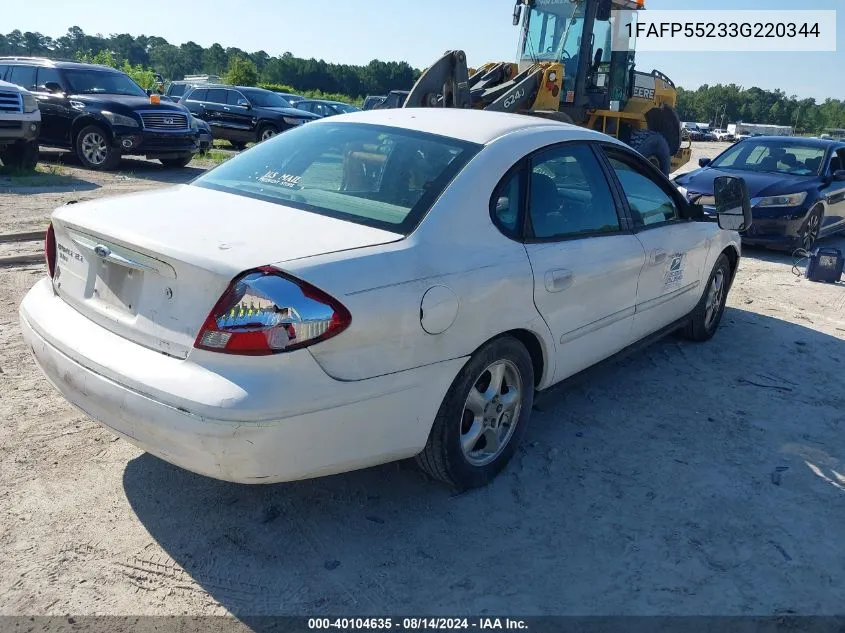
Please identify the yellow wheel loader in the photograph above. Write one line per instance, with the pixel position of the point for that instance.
(577, 66)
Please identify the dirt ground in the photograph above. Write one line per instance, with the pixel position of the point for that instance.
(686, 479)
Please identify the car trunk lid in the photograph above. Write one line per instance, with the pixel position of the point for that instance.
(150, 266)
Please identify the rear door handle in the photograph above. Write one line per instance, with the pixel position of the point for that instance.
(558, 280)
(658, 256)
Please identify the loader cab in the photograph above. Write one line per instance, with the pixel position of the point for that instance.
(582, 36)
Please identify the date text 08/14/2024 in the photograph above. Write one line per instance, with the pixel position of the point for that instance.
(417, 624)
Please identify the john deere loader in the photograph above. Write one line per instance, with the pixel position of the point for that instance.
(576, 65)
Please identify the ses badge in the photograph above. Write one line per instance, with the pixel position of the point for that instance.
(674, 270)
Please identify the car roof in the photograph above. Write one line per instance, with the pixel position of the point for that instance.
(56, 63)
(474, 126)
(802, 140)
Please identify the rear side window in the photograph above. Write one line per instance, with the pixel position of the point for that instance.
(378, 176)
(648, 202)
(216, 95)
(23, 76)
(198, 95)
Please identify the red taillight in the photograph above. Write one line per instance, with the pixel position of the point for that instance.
(265, 311)
(50, 250)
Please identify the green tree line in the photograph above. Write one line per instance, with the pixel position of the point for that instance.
(174, 62)
(142, 55)
(720, 105)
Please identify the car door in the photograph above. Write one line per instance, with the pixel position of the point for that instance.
(214, 101)
(195, 101)
(238, 117)
(585, 260)
(56, 113)
(834, 193)
(676, 249)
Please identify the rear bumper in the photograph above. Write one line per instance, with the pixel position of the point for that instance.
(271, 419)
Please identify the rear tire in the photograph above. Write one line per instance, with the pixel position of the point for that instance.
(654, 147)
(94, 149)
(708, 313)
(479, 425)
(238, 145)
(182, 161)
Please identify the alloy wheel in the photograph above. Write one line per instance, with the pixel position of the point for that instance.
(714, 299)
(491, 412)
(811, 233)
(95, 150)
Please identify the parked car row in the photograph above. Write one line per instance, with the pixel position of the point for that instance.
(101, 114)
(797, 187)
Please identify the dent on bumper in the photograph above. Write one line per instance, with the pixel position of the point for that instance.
(358, 424)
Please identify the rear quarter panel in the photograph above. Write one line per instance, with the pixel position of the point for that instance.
(456, 246)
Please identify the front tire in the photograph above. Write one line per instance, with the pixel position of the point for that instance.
(181, 161)
(654, 146)
(21, 156)
(483, 417)
(810, 232)
(708, 313)
(94, 150)
(266, 131)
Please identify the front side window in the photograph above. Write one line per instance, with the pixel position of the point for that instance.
(234, 97)
(569, 195)
(372, 175)
(176, 90)
(46, 76)
(649, 203)
(266, 99)
(88, 82)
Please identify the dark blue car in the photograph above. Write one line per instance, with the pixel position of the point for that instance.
(797, 187)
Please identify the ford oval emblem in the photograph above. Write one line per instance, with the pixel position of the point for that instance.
(102, 251)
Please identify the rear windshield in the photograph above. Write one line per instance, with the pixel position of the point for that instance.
(383, 177)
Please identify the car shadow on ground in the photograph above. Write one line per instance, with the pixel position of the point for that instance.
(130, 167)
(670, 493)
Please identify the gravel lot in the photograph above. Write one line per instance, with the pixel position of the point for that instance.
(685, 479)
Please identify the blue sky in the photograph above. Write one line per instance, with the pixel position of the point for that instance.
(356, 31)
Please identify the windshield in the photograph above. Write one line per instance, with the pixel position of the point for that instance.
(86, 82)
(773, 156)
(554, 31)
(383, 177)
(262, 99)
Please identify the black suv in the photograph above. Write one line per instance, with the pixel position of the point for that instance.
(242, 115)
(101, 114)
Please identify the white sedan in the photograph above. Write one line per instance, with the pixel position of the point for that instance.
(366, 288)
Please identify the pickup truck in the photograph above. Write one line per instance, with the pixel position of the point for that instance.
(20, 124)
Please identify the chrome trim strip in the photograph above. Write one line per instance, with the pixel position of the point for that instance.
(597, 325)
(659, 301)
(121, 256)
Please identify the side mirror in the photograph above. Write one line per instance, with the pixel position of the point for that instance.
(604, 10)
(149, 92)
(839, 175)
(53, 87)
(244, 103)
(733, 206)
(517, 12)
(703, 162)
